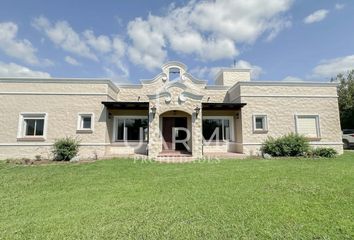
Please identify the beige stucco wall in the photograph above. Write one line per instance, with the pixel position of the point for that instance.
(281, 104)
(62, 102)
(63, 99)
(230, 76)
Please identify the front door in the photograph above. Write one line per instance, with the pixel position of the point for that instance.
(168, 126)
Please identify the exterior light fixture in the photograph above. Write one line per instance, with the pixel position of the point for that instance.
(197, 110)
(153, 110)
(109, 115)
(237, 115)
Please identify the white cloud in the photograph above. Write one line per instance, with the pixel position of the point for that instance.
(72, 61)
(101, 43)
(210, 73)
(256, 71)
(316, 16)
(14, 47)
(148, 44)
(210, 30)
(339, 6)
(64, 36)
(330, 68)
(292, 79)
(15, 70)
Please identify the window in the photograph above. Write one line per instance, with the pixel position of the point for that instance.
(308, 125)
(32, 125)
(174, 73)
(217, 128)
(131, 128)
(260, 123)
(85, 122)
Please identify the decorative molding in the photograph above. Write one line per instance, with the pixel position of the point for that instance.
(155, 79)
(174, 63)
(193, 79)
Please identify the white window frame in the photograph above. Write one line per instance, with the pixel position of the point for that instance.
(80, 127)
(316, 116)
(231, 122)
(115, 127)
(21, 134)
(265, 123)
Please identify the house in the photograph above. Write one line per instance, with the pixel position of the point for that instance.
(172, 112)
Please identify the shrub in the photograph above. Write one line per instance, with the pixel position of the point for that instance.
(65, 149)
(322, 152)
(289, 145)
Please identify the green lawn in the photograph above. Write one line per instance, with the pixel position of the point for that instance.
(120, 199)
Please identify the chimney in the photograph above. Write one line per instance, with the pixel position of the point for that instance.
(231, 76)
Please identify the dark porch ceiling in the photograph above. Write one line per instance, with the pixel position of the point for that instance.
(127, 105)
(222, 106)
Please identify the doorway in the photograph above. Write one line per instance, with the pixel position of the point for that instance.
(170, 129)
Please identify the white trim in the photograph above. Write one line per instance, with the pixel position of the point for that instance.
(317, 119)
(311, 143)
(61, 80)
(31, 115)
(285, 96)
(231, 123)
(49, 144)
(52, 93)
(115, 124)
(80, 115)
(265, 123)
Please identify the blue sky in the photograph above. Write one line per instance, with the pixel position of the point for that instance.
(129, 40)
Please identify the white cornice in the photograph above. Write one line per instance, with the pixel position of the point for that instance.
(62, 80)
(281, 83)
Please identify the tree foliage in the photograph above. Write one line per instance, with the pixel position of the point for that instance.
(346, 99)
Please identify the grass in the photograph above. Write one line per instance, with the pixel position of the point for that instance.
(231, 199)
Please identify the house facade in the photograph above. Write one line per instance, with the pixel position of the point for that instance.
(173, 112)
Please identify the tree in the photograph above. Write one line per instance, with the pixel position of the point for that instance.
(346, 98)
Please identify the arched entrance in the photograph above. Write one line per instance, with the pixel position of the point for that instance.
(175, 127)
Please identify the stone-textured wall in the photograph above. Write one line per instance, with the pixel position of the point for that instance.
(281, 111)
(62, 102)
(229, 77)
(175, 104)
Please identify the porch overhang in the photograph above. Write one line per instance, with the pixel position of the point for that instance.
(222, 106)
(127, 105)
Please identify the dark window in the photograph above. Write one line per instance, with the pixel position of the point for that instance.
(86, 122)
(34, 127)
(216, 129)
(259, 123)
(132, 129)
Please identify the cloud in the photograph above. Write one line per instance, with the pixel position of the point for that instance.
(292, 79)
(316, 16)
(101, 43)
(64, 36)
(108, 50)
(15, 70)
(256, 71)
(331, 67)
(210, 73)
(339, 6)
(14, 47)
(148, 44)
(209, 30)
(72, 61)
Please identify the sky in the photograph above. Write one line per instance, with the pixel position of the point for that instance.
(126, 41)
